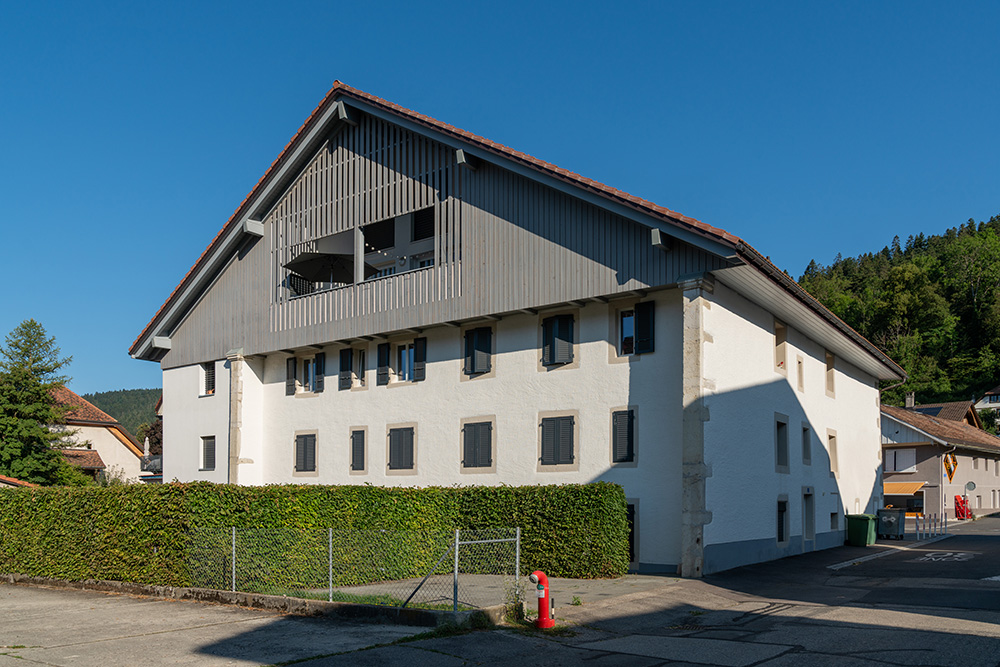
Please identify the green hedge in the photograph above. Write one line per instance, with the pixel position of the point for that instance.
(177, 534)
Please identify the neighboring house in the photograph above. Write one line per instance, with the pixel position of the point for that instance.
(919, 450)
(10, 482)
(103, 443)
(960, 411)
(990, 400)
(400, 302)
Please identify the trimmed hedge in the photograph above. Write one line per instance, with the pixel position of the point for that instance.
(157, 534)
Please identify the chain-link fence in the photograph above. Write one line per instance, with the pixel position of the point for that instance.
(454, 570)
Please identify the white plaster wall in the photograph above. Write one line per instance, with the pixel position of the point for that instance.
(595, 385)
(187, 417)
(110, 448)
(743, 491)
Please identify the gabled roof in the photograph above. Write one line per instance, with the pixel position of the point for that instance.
(84, 413)
(993, 392)
(88, 459)
(733, 245)
(10, 481)
(945, 431)
(958, 411)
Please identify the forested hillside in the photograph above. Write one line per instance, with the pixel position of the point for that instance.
(131, 407)
(932, 303)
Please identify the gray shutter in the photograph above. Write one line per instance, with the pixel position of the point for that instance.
(320, 372)
(485, 440)
(563, 353)
(209, 454)
(300, 453)
(644, 317)
(549, 428)
(469, 446)
(358, 450)
(290, 365)
(622, 431)
(419, 359)
(344, 380)
(407, 448)
(484, 346)
(394, 449)
(565, 440)
(383, 364)
(470, 347)
(548, 340)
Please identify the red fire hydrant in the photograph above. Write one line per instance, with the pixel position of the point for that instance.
(545, 603)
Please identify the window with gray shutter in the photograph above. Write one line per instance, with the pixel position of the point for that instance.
(557, 440)
(357, 450)
(344, 378)
(419, 359)
(401, 449)
(478, 445)
(644, 316)
(208, 370)
(383, 364)
(319, 366)
(478, 350)
(423, 224)
(557, 340)
(305, 453)
(623, 433)
(208, 453)
(290, 366)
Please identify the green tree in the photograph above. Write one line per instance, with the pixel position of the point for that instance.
(29, 370)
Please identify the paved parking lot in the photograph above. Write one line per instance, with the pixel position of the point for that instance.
(931, 604)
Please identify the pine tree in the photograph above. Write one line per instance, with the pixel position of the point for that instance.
(29, 371)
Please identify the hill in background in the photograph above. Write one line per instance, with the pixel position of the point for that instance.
(932, 304)
(131, 407)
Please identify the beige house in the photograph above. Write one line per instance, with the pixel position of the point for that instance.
(95, 441)
(928, 460)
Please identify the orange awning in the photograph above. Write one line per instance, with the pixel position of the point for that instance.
(901, 488)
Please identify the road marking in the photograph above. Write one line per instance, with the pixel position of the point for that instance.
(946, 557)
(996, 578)
(891, 550)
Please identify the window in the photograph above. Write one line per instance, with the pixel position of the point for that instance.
(831, 441)
(782, 521)
(830, 361)
(478, 350)
(900, 460)
(208, 452)
(801, 373)
(780, 343)
(424, 262)
(834, 520)
(401, 449)
(996, 468)
(411, 360)
(305, 375)
(357, 450)
(557, 441)
(806, 446)
(995, 398)
(382, 376)
(423, 225)
(623, 436)
(635, 329)
(385, 270)
(808, 517)
(477, 445)
(360, 360)
(975, 463)
(352, 369)
(305, 453)
(208, 378)
(557, 340)
(781, 443)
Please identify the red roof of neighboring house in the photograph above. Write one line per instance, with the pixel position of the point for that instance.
(10, 481)
(959, 411)
(88, 459)
(746, 251)
(81, 410)
(952, 432)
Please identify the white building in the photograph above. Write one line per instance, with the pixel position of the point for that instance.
(95, 441)
(399, 302)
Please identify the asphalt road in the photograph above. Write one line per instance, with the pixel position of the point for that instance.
(925, 604)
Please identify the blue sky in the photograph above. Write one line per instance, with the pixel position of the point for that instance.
(129, 132)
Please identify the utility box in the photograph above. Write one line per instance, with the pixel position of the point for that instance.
(892, 523)
(861, 529)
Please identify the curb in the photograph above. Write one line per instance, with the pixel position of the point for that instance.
(278, 603)
(886, 552)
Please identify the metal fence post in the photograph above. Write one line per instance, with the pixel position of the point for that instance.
(330, 598)
(517, 562)
(455, 577)
(233, 566)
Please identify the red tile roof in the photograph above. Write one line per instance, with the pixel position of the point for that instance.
(88, 459)
(953, 432)
(747, 252)
(958, 411)
(81, 410)
(10, 481)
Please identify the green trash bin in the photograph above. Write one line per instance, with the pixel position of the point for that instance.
(861, 529)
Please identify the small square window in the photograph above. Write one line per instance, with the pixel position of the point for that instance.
(557, 340)
(477, 450)
(557, 441)
(401, 449)
(305, 453)
(478, 351)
